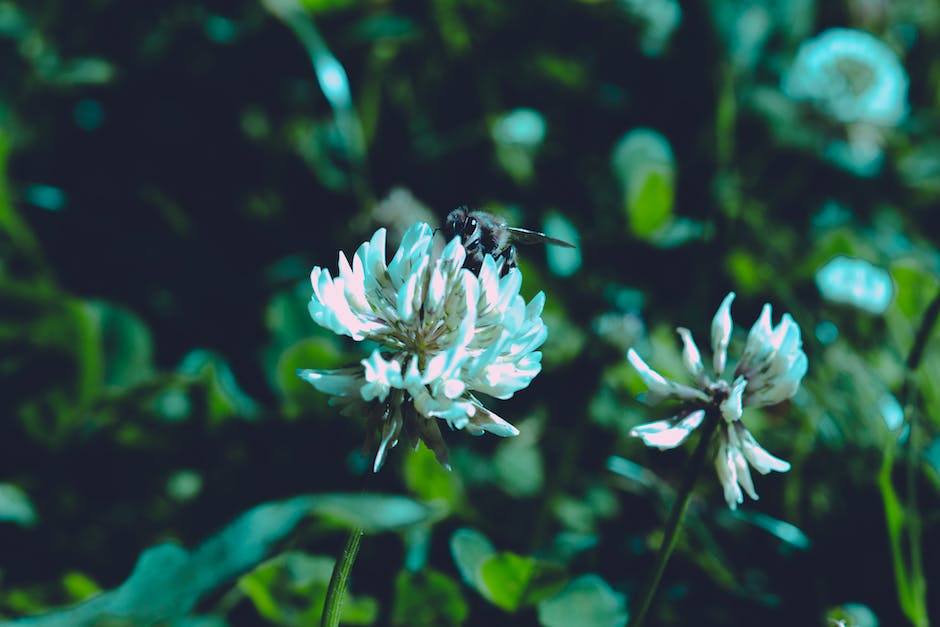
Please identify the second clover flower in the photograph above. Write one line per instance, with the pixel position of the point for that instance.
(443, 332)
(770, 371)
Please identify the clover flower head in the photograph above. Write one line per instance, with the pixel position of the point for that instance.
(851, 76)
(444, 333)
(769, 371)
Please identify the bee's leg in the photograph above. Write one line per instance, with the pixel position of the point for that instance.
(473, 263)
(508, 259)
(474, 259)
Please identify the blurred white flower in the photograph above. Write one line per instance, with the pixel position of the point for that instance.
(770, 371)
(858, 81)
(444, 333)
(856, 282)
(850, 75)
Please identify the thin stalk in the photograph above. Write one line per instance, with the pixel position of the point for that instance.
(915, 579)
(333, 606)
(671, 534)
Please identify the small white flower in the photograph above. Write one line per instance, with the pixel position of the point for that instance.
(850, 75)
(770, 371)
(444, 332)
(858, 81)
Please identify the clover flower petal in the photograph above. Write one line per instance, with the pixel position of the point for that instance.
(731, 407)
(721, 334)
(691, 356)
(661, 387)
(666, 434)
(726, 468)
(443, 333)
(762, 461)
(770, 370)
(380, 375)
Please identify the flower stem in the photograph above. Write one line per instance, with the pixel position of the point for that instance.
(333, 606)
(673, 524)
(910, 578)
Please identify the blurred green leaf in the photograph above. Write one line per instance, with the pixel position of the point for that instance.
(225, 397)
(15, 506)
(587, 602)
(428, 599)
(788, 533)
(852, 615)
(168, 580)
(643, 162)
(79, 586)
(128, 348)
(323, 6)
(470, 549)
(291, 590)
(518, 461)
(316, 353)
(430, 481)
(372, 512)
(565, 341)
(911, 279)
(649, 203)
(505, 578)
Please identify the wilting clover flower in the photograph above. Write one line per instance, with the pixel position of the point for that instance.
(769, 371)
(444, 333)
(851, 76)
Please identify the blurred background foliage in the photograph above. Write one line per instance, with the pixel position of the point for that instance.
(172, 171)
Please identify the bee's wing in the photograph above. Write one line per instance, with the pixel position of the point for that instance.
(525, 236)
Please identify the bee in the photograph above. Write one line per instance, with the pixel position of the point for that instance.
(484, 234)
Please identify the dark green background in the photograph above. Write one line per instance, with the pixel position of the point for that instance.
(215, 177)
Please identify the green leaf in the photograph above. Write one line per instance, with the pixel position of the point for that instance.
(291, 590)
(15, 506)
(643, 162)
(587, 602)
(79, 586)
(225, 397)
(168, 580)
(911, 297)
(12, 226)
(428, 599)
(789, 533)
(518, 461)
(126, 344)
(470, 550)
(505, 579)
(546, 580)
(649, 202)
(852, 615)
(372, 512)
(425, 477)
(325, 6)
(319, 353)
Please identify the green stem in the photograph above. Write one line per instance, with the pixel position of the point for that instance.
(915, 580)
(673, 524)
(333, 606)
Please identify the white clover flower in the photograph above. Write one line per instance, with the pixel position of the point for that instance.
(858, 81)
(770, 371)
(444, 333)
(850, 75)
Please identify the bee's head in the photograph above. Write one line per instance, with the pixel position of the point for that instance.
(459, 222)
